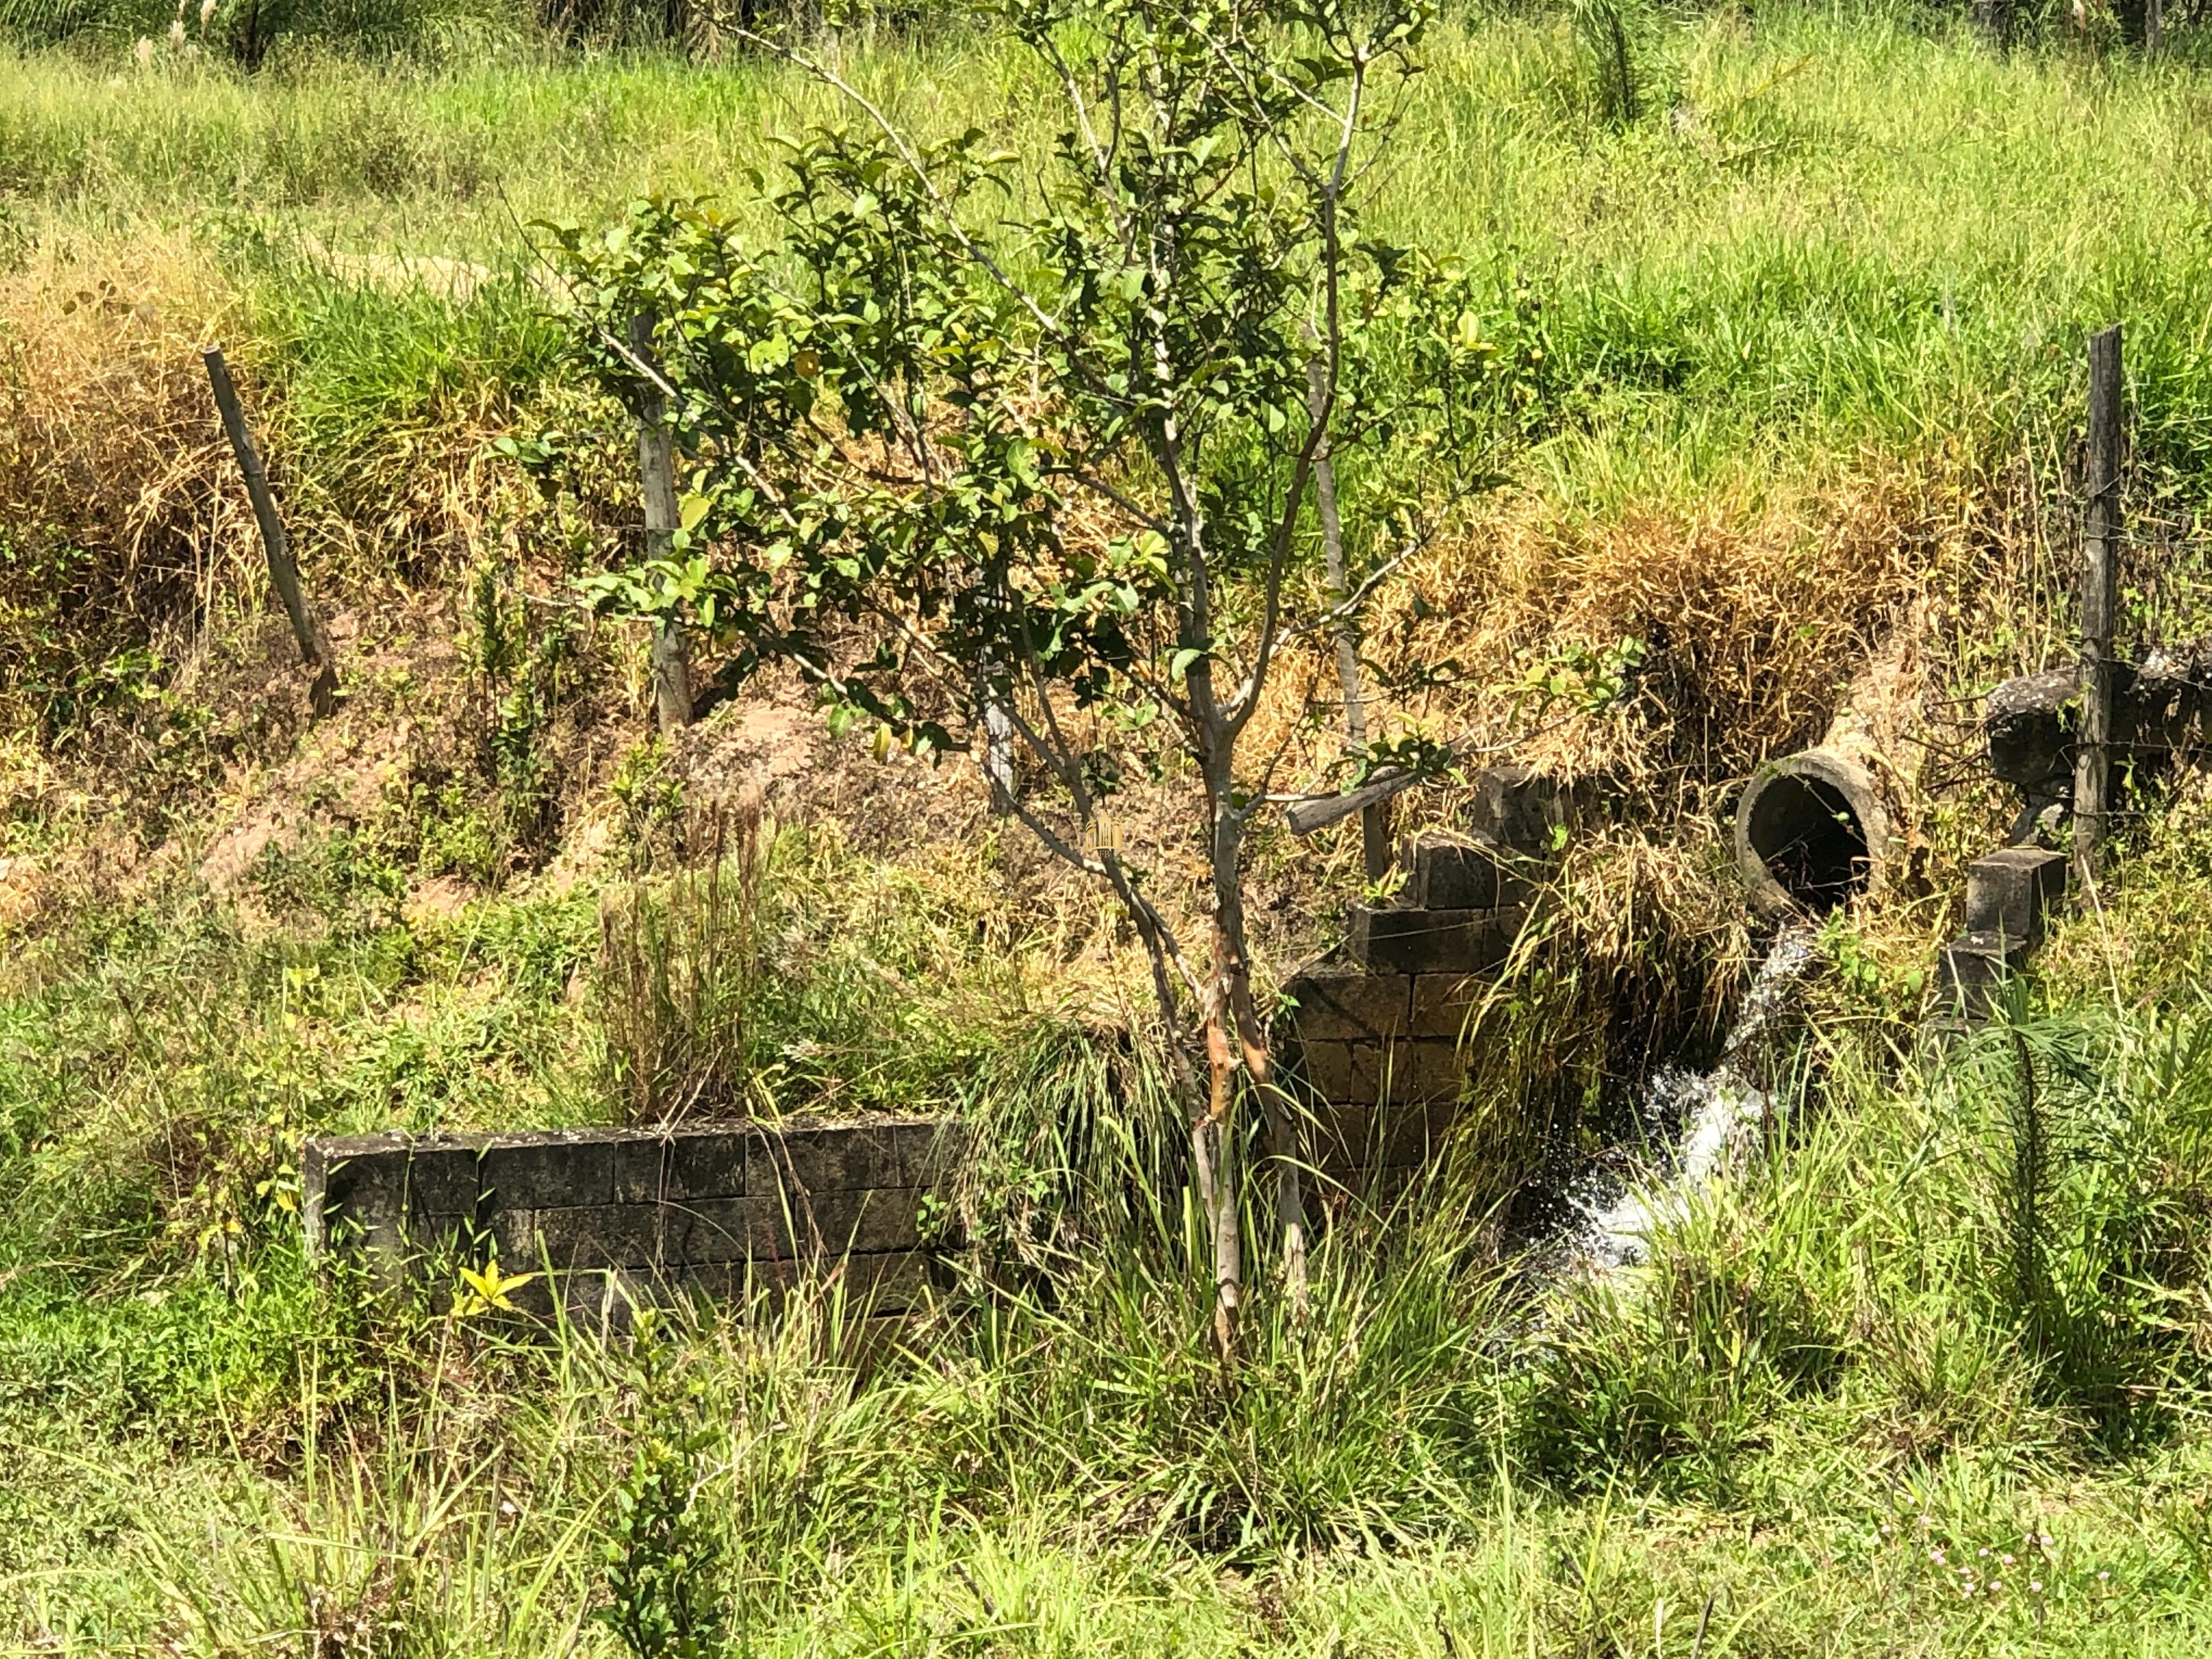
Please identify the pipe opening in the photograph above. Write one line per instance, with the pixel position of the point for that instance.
(1809, 837)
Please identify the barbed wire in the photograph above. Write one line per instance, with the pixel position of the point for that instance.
(2164, 575)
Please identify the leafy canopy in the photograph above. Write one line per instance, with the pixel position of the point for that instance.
(959, 439)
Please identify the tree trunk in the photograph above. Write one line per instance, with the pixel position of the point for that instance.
(1233, 1019)
(1213, 1132)
(1284, 1147)
(1374, 818)
(1214, 1151)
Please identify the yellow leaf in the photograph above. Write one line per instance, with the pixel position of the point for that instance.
(489, 1289)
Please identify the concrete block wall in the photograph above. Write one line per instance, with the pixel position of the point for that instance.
(2010, 896)
(633, 1215)
(1376, 1032)
(624, 1216)
(1366, 1034)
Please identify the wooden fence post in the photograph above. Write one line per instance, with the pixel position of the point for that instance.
(2100, 539)
(656, 465)
(306, 627)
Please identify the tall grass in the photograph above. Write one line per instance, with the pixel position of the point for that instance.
(1824, 1398)
(1834, 229)
(1433, 1456)
(1979, 1249)
(259, 35)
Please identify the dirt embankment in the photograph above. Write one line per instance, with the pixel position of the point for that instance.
(154, 707)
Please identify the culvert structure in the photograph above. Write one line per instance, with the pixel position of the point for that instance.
(1811, 833)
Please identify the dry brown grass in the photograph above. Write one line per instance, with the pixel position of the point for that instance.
(111, 459)
(1869, 595)
(1866, 593)
(1866, 600)
(1755, 617)
(142, 672)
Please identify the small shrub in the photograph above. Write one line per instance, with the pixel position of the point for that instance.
(347, 882)
(664, 1556)
(524, 655)
(651, 795)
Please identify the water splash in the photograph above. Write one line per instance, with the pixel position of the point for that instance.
(1722, 1114)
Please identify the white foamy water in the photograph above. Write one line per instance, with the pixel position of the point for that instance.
(1721, 1112)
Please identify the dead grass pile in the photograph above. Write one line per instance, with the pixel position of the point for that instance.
(115, 524)
(1753, 618)
(1759, 624)
(1890, 597)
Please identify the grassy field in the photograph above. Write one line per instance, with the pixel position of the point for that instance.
(1811, 334)
(1832, 229)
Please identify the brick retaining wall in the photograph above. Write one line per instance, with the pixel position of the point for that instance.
(1377, 1027)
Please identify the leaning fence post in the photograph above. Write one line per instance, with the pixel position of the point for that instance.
(656, 465)
(314, 646)
(2100, 537)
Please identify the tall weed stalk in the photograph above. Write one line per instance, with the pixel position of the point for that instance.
(679, 972)
(1606, 36)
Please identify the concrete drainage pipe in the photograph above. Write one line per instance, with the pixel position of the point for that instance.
(1811, 832)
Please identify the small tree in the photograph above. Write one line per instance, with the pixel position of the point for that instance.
(974, 451)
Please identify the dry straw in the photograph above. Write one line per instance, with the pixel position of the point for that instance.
(110, 451)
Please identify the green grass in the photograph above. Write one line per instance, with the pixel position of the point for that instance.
(1079, 1479)
(1849, 231)
(207, 1445)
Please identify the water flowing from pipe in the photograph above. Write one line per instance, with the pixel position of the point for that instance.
(1723, 1113)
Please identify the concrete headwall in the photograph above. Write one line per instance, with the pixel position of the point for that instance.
(1378, 1026)
(633, 1215)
